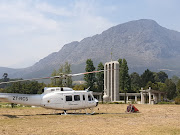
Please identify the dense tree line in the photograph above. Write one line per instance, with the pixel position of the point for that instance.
(134, 82)
(157, 81)
(24, 88)
(128, 82)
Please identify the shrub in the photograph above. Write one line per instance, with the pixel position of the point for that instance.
(116, 103)
(166, 102)
(177, 100)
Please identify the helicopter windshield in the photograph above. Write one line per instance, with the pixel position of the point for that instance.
(90, 97)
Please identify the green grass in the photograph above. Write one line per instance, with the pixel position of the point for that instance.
(166, 103)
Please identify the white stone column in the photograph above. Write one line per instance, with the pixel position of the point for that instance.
(159, 97)
(105, 79)
(127, 98)
(108, 81)
(155, 98)
(142, 98)
(111, 83)
(116, 81)
(149, 97)
(100, 97)
(135, 98)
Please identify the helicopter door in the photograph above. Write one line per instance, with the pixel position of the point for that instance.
(72, 101)
(77, 101)
(68, 101)
(84, 103)
(90, 100)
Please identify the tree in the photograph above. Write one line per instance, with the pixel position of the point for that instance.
(161, 86)
(63, 70)
(146, 77)
(175, 79)
(100, 78)
(90, 78)
(53, 81)
(178, 88)
(79, 87)
(160, 76)
(135, 82)
(67, 70)
(171, 89)
(154, 86)
(5, 75)
(25, 87)
(60, 72)
(4, 79)
(120, 75)
(124, 78)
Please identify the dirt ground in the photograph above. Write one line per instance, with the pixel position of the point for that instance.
(152, 120)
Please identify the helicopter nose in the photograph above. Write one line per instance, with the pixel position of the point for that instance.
(96, 102)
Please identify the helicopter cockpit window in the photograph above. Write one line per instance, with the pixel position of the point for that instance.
(68, 98)
(76, 97)
(89, 98)
(52, 89)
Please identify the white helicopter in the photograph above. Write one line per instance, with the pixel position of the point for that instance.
(58, 98)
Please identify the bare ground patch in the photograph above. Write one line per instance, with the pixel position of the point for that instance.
(109, 119)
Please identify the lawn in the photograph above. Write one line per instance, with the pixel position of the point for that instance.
(109, 119)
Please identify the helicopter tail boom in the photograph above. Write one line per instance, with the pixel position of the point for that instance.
(25, 99)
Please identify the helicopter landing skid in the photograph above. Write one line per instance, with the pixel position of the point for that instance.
(79, 113)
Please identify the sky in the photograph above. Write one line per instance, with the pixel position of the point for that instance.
(32, 29)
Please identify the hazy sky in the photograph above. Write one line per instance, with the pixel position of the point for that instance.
(32, 29)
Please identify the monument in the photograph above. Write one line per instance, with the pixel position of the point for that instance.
(111, 81)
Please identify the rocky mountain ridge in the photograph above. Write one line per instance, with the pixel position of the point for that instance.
(143, 43)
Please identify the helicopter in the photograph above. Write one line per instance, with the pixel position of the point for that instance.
(57, 98)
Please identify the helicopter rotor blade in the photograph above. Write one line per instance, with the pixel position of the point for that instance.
(52, 77)
(33, 79)
(87, 73)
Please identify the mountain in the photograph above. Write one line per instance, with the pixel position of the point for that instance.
(143, 43)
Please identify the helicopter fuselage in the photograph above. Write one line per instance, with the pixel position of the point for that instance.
(54, 98)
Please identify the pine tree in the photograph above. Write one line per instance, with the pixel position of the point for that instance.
(90, 78)
(146, 77)
(178, 88)
(160, 77)
(67, 70)
(124, 78)
(53, 81)
(171, 89)
(135, 82)
(120, 76)
(65, 81)
(60, 72)
(100, 78)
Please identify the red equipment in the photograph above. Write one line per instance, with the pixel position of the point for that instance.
(131, 108)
